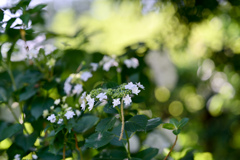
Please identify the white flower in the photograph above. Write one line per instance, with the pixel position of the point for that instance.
(52, 107)
(65, 106)
(64, 98)
(127, 100)
(85, 76)
(34, 156)
(60, 121)
(88, 97)
(51, 63)
(108, 62)
(140, 85)
(102, 96)
(67, 88)
(90, 103)
(57, 101)
(33, 53)
(116, 102)
(83, 105)
(94, 66)
(131, 63)
(130, 85)
(77, 89)
(78, 113)
(135, 90)
(17, 157)
(83, 95)
(45, 113)
(69, 114)
(52, 118)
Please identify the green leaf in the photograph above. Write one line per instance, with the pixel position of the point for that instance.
(10, 22)
(117, 131)
(1, 15)
(28, 93)
(26, 141)
(25, 18)
(37, 8)
(39, 104)
(147, 154)
(136, 123)
(115, 154)
(153, 123)
(174, 122)
(9, 53)
(85, 123)
(183, 122)
(10, 131)
(106, 124)
(176, 131)
(97, 140)
(169, 126)
(108, 108)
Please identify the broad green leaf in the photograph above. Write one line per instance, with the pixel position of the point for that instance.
(116, 154)
(44, 154)
(183, 122)
(174, 122)
(37, 8)
(25, 18)
(153, 123)
(169, 126)
(28, 93)
(10, 131)
(26, 141)
(117, 131)
(176, 131)
(39, 104)
(10, 22)
(97, 140)
(106, 124)
(147, 154)
(108, 108)
(136, 123)
(85, 123)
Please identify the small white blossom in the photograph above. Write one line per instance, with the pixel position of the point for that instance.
(67, 88)
(17, 157)
(135, 90)
(52, 118)
(108, 62)
(88, 97)
(34, 156)
(83, 105)
(83, 95)
(91, 103)
(52, 107)
(45, 113)
(64, 98)
(60, 121)
(69, 114)
(127, 100)
(85, 76)
(94, 66)
(57, 101)
(65, 106)
(33, 53)
(78, 113)
(77, 89)
(51, 63)
(102, 96)
(130, 85)
(140, 85)
(116, 102)
(131, 63)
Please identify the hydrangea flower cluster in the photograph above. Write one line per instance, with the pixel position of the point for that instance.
(123, 92)
(65, 113)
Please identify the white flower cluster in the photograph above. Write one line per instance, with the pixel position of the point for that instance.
(70, 88)
(108, 62)
(67, 112)
(131, 63)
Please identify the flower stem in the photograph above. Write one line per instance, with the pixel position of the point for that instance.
(122, 115)
(76, 144)
(128, 144)
(171, 148)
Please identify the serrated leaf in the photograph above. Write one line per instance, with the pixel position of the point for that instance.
(183, 122)
(147, 154)
(39, 104)
(10, 131)
(174, 122)
(176, 131)
(97, 140)
(169, 126)
(153, 123)
(136, 123)
(106, 124)
(85, 123)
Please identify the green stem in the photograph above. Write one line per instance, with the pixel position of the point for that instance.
(12, 78)
(171, 148)
(79, 149)
(122, 115)
(14, 115)
(119, 77)
(128, 150)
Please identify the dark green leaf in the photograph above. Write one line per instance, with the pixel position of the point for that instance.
(1, 15)
(147, 154)
(39, 104)
(168, 126)
(176, 131)
(111, 155)
(183, 122)
(97, 140)
(85, 123)
(38, 8)
(28, 93)
(136, 123)
(9, 53)
(108, 108)
(153, 123)
(106, 124)
(25, 18)
(10, 131)
(117, 131)
(174, 122)
(26, 141)
(10, 22)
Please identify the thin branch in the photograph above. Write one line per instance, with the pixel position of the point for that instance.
(76, 144)
(171, 148)
(122, 114)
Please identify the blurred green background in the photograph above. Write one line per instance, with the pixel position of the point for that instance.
(189, 62)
